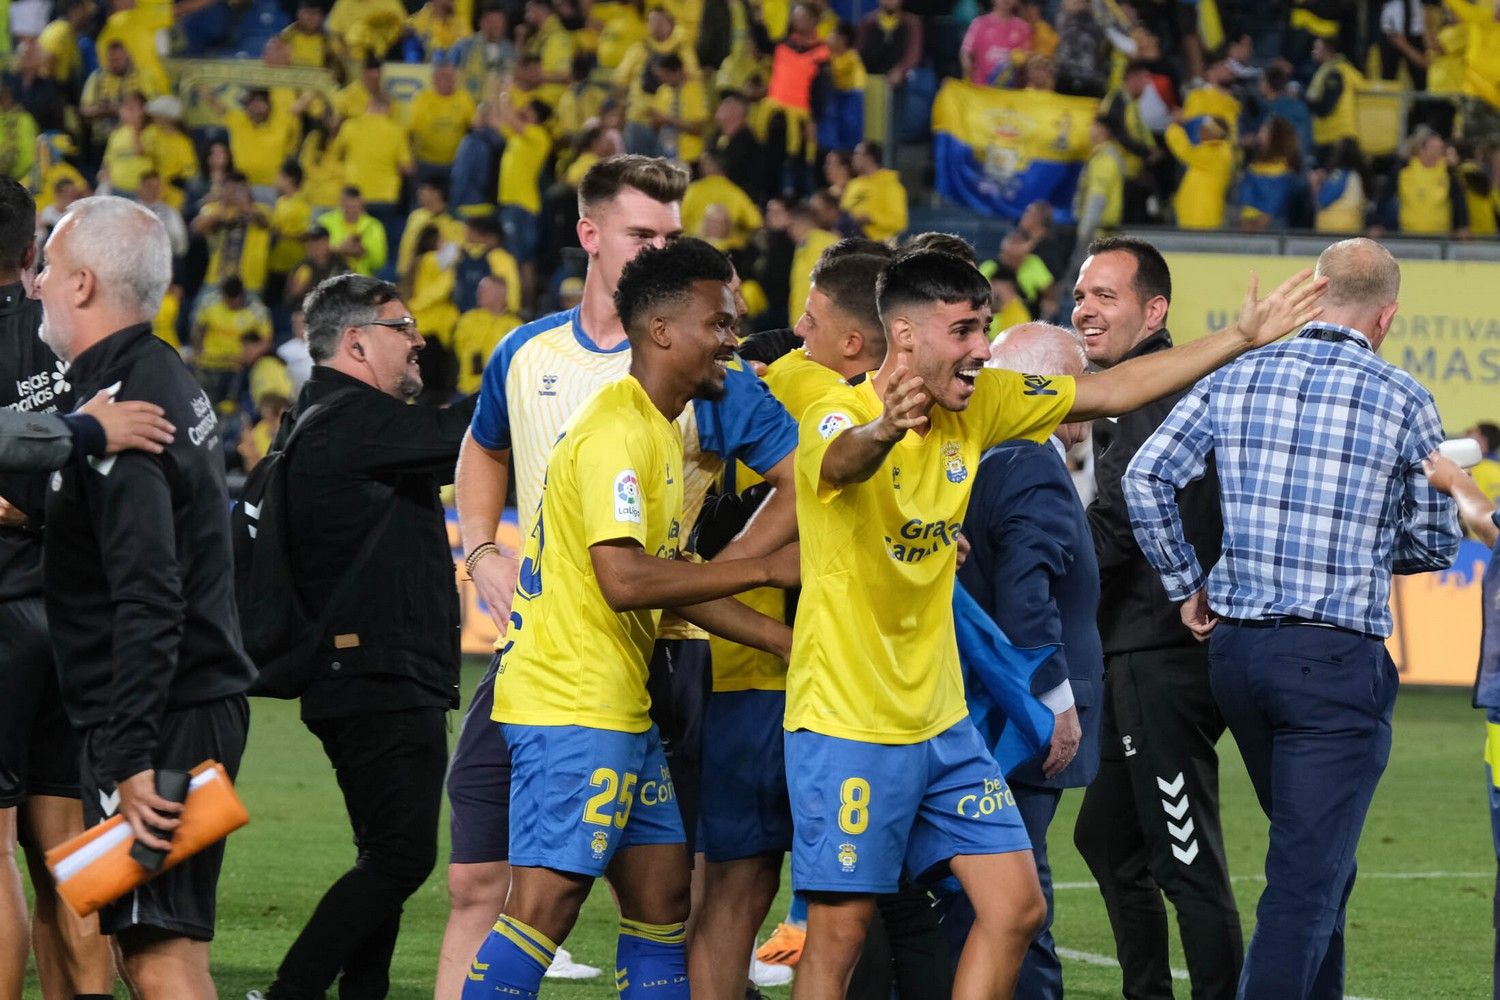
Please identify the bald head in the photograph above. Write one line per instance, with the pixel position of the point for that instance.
(1039, 349)
(1361, 274)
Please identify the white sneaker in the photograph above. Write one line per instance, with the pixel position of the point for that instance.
(563, 967)
(762, 974)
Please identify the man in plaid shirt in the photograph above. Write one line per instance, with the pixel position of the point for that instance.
(1319, 446)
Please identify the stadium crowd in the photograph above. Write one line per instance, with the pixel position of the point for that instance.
(610, 218)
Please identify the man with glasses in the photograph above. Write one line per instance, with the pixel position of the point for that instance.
(368, 535)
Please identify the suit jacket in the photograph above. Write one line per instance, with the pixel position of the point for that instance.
(1032, 568)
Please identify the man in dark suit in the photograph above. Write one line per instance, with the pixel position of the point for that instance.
(1032, 568)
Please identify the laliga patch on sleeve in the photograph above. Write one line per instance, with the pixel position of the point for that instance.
(628, 497)
(833, 423)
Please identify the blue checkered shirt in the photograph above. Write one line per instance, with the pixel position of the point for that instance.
(1319, 446)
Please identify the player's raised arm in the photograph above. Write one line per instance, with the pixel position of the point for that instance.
(1134, 383)
(856, 454)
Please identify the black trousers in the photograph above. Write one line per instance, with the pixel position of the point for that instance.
(390, 768)
(904, 950)
(1149, 824)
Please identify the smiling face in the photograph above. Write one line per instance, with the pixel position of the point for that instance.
(946, 345)
(1108, 311)
(703, 337)
(614, 232)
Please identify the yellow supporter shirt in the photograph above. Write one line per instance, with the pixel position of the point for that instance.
(450, 230)
(1013, 313)
(879, 200)
(438, 33)
(60, 41)
(521, 167)
(175, 158)
(165, 323)
(615, 474)
(306, 49)
(744, 217)
(803, 259)
(553, 45)
(351, 100)
(474, 339)
(137, 30)
(578, 168)
(126, 160)
(260, 150)
(1216, 102)
(374, 152)
(431, 299)
(439, 124)
(1103, 175)
(290, 218)
(222, 329)
(366, 27)
(798, 382)
(1422, 199)
(623, 29)
(322, 172)
(847, 71)
(1200, 198)
(874, 656)
(244, 251)
(688, 105)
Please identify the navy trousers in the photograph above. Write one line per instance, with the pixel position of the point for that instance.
(1310, 708)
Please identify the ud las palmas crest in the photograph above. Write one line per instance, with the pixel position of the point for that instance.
(1015, 136)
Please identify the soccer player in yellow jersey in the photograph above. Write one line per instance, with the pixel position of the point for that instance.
(746, 818)
(884, 769)
(588, 768)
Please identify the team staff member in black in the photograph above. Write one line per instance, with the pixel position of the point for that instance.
(1149, 823)
(369, 463)
(38, 750)
(139, 596)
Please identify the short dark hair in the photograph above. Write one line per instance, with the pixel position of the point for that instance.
(670, 63)
(928, 277)
(654, 177)
(17, 224)
(949, 243)
(858, 245)
(340, 302)
(351, 191)
(541, 111)
(849, 281)
(235, 177)
(232, 287)
(437, 182)
(292, 169)
(875, 151)
(1491, 433)
(1152, 276)
(665, 276)
(486, 225)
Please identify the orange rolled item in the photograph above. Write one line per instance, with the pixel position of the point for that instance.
(95, 868)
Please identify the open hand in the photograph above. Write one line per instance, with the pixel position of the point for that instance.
(130, 425)
(905, 406)
(1293, 304)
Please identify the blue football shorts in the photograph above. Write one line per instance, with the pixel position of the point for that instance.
(865, 813)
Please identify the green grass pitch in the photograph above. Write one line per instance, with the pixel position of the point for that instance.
(1409, 935)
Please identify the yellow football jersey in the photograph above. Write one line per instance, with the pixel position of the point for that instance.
(797, 381)
(873, 655)
(615, 473)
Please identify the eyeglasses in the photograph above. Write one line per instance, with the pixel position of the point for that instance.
(404, 325)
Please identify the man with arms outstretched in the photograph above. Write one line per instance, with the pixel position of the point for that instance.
(884, 768)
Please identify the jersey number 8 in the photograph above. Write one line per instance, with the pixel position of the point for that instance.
(854, 805)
